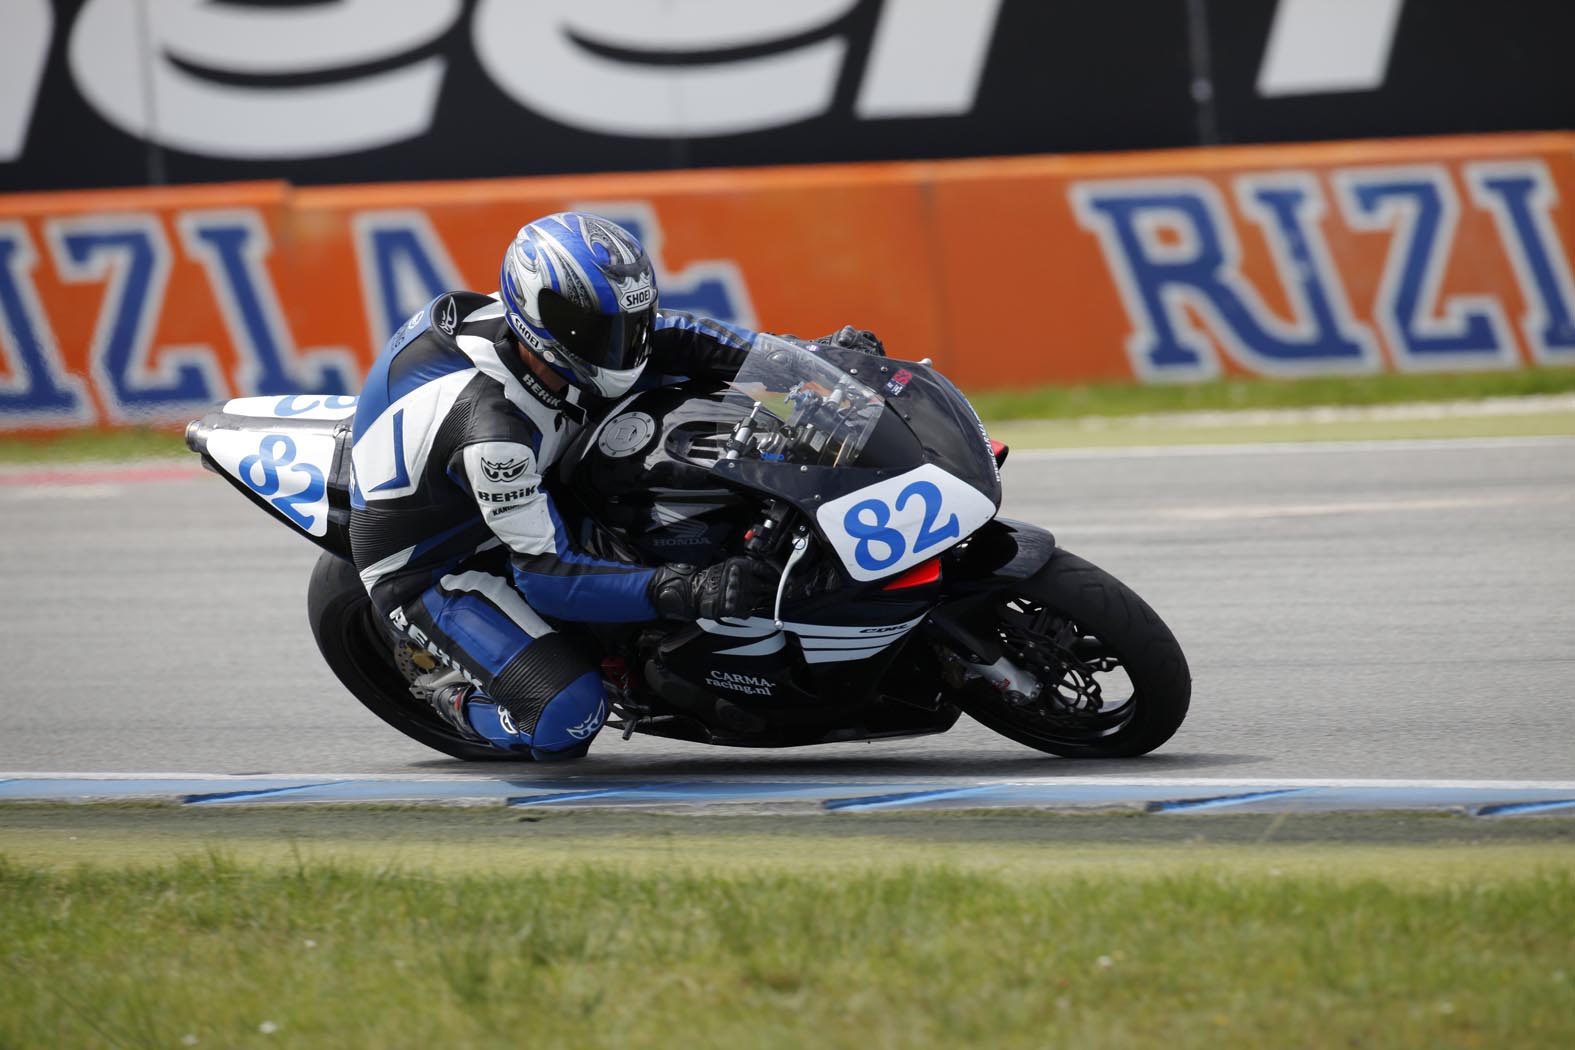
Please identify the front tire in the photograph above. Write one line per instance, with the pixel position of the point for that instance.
(356, 648)
(1074, 626)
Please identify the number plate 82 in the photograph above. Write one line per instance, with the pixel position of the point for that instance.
(893, 525)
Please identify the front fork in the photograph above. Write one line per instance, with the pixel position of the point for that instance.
(962, 627)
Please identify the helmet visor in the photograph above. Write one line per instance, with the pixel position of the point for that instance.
(617, 342)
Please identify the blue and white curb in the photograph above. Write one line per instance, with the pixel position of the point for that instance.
(1164, 795)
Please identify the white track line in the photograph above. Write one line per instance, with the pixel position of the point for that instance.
(1404, 411)
(765, 777)
(1250, 511)
(1290, 447)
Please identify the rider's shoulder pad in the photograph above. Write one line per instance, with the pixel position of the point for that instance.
(439, 321)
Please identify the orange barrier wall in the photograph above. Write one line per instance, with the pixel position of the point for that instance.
(147, 305)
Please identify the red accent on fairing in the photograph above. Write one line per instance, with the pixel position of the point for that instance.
(918, 576)
(998, 450)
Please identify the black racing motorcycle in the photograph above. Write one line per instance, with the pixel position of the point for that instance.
(870, 483)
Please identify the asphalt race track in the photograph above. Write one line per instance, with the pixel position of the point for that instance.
(1400, 610)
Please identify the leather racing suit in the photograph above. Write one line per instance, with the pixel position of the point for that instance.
(457, 540)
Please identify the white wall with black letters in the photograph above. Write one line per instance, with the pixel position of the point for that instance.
(130, 92)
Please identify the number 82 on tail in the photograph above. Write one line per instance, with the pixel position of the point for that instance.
(289, 471)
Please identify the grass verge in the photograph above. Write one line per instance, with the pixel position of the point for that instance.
(95, 446)
(1125, 399)
(1095, 415)
(481, 928)
(1118, 431)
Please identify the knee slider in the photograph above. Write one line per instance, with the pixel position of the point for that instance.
(571, 719)
(541, 671)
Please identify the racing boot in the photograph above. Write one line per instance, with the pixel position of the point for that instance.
(449, 702)
(448, 692)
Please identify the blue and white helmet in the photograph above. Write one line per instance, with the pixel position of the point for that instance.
(580, 293)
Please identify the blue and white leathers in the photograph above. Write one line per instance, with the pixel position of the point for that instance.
(456, 538)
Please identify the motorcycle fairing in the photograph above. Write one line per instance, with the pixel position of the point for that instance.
(667, 485)
(812, 489)
(833, 674)
(888, 483)
(890, 526)
(289, 455)
(316, 408)
(289, 470)
(820, 642)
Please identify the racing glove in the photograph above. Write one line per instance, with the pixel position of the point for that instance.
(849, 338)
(736, 587)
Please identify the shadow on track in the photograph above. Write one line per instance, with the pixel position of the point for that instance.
(856, 767)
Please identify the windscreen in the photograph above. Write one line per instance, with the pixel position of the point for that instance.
(810, 411)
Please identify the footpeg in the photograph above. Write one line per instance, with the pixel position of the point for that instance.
(425, 686)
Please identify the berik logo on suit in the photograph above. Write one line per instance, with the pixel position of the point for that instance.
(509, 470)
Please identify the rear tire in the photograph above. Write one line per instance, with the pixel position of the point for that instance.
(358, 650)
(1109, 621)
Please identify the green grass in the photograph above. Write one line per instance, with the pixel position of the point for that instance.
(1114, 399)
(95, 446)
(589, 955)
(488, 928)
(1117, 431)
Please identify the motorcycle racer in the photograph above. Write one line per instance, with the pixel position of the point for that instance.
(455, 535)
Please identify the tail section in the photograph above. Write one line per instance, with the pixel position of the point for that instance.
(289, 455)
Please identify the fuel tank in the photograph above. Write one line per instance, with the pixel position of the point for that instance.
(645, 473)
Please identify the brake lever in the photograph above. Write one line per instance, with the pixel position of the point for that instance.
(800, 548)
